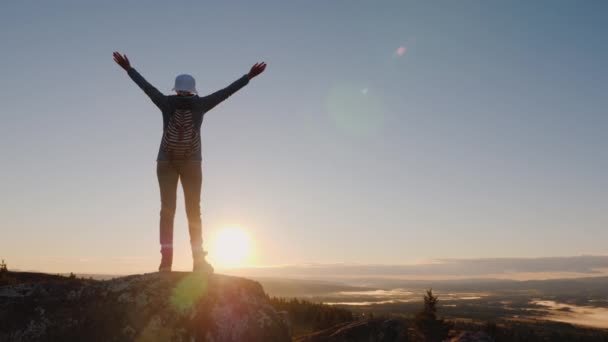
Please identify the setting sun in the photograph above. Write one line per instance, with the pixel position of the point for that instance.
(231, 247)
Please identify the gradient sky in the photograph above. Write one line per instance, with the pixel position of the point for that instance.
(381, 132)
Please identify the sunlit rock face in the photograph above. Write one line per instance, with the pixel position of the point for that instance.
(151, 307)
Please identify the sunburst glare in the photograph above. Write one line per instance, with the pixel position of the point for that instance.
(231, 247)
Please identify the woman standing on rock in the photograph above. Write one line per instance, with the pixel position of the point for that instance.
(179, 155)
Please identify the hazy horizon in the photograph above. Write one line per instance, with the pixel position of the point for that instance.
(393, 133)
(517, 269)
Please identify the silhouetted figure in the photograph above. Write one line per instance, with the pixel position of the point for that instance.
(179, 155)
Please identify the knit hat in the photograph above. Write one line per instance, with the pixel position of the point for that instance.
(185, 82)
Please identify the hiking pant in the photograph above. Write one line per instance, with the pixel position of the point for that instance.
(190, 174)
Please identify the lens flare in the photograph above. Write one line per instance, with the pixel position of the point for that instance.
(355, 109)
(401, 51)
(189, 291)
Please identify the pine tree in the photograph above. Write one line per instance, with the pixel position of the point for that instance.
(430, 303)
(428, 327)
(3, 268)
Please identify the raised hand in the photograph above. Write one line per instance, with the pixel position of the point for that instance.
(121, 60)
(256, 69)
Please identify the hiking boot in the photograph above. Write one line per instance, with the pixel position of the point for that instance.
(166, 261)
(200, 264)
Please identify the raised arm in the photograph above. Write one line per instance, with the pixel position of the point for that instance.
(216, 98)
(156, 96)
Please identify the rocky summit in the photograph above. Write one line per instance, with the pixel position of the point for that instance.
(175, 306)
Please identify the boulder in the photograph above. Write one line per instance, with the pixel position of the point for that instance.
(176, 306)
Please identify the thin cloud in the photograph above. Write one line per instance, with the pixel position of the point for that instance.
(499, 268)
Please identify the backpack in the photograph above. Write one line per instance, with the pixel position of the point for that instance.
(181, 139)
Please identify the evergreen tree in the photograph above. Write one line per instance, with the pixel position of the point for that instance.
(310, 316)
(426, 324)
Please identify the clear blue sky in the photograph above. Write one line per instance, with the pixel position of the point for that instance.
(485, 135)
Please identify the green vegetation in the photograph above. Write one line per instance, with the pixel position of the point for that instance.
(423, 323)
(5, 276)
(530, 331)
(427, 326)
(307, 317)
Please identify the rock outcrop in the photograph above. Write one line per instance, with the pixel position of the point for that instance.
(374, 330)
(151, 307)
(469, 336)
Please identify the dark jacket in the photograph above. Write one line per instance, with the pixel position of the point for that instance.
(197, 105)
